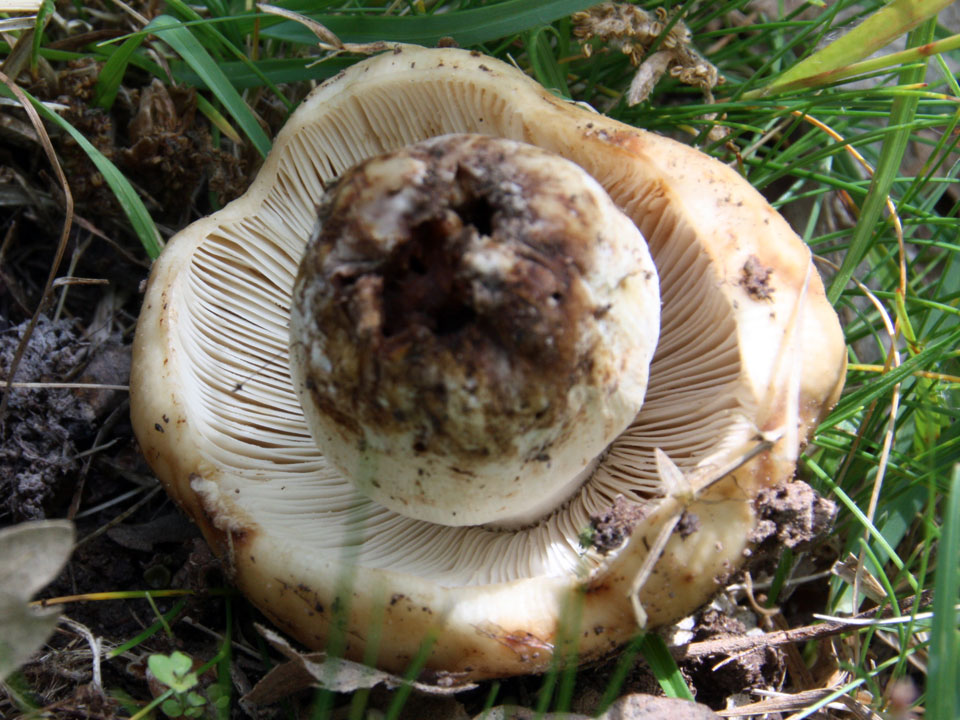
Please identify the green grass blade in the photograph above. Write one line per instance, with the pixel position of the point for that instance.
(130, 202)
(545, 66)
(416, 665)
(903, 112)
(213, 35)
(664, 667)
(855, 510)
(854, 402)
(883, 62)
(467, 27)
(943, 691)
(221, 9)
(873, 34)
(619, 675)
(111, 75)
(217, 119)
(275, 70)
(149, 632)
(195, 55)
(47, 8)
(900, 514)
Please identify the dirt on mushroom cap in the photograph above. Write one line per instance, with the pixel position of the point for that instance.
(475, 320)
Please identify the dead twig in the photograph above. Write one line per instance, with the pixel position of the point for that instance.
(741, 643)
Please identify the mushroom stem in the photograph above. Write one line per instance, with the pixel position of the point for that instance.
(472, 325)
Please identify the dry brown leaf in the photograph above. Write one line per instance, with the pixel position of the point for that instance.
(31, 555)
(316, 670)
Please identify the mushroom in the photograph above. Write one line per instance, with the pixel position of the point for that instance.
(446, 354)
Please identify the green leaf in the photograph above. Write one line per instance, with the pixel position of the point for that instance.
(195, 55)
(172, 708)
(181, 663)
(174, 670)
(162, 668)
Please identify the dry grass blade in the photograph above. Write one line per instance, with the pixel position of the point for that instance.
(64, 386)
(799, 701)
(61, 282)
(141, 20)
(24, 6)
(327, 39)
(24, 22)
(119, 518)
(96, 650)
(61, 245)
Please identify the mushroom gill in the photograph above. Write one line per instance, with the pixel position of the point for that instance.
(218, 417)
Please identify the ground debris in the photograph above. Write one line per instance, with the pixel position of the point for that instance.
(156, 137)
(610, 529)
(791, 515)
(723, 675)
(634, 32)
(755, 279)
(171, 153)
(46, 427)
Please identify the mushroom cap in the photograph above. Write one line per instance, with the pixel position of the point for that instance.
(749, 347)
(473, 323)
